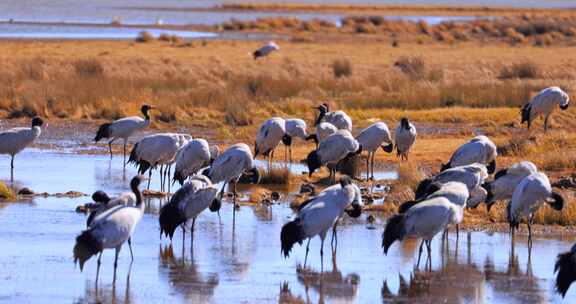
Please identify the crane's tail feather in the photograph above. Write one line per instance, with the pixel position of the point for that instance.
(422, 188)
(407, 205)
(388, 148)
(86, 246)
(292, 233)
(103, 132)
(393, 231)
(525, 112)
(565, 265)
(171, 217)
(178, 176)
(133, 159)
(558, 201)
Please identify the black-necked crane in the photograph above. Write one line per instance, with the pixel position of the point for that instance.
(565, 268)
(123, 128)
(187, 203)
(531, 193)
(339, 119)
(269, 136)
(14, 140)
(543, 104)
(506, 180)
(404, 138)
(295, 128)
(473, 176)
(156, 150)
(427, 218)
(192, 157)
(230, 166)
(370, 139)
(479, 149)
(110, 230)
(323, 130)
(318, 215)
(265, 50)
(335, 148)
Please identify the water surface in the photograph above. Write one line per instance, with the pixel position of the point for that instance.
(243, 263)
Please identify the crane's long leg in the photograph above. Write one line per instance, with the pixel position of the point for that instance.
(420, 253)
(234, 204)
(12, 168)
(168, 177)
(98, 263)
(368, 167)
(546, 123)
(530, 232)
(162, 178)
(130, 247)
(125, 142)
(334, 242)
(429, 247)
(110, 147)
(307, 250)
(149, 177)
(183, 233)
(373, 159)
(322, 253)
(192, 234)
(116, 258)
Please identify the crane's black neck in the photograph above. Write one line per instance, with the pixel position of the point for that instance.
(134, 186)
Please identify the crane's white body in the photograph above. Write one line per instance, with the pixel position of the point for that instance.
(14, 140)
(546, 101)
(339, 119)
(296, 127)
(472, 176)
(478, 150)
(192, 157)
(325, 129)
(267, 49)
(503, 186)
(336, 147)
(530, 195)
(374, 136)
(456, 192)
(320, 214)
(158, 149)
(114, 226)
(196, 195)
(269, 135)
(230, 165)
(127, 126)
(404, 138)
(428, 218)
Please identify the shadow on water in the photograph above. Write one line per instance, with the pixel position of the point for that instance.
(184, 277)
(469, 281)
(329, 285)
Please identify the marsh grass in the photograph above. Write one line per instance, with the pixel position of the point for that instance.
(522, 70)
(277, 176)
(6, 194)
(341, 68)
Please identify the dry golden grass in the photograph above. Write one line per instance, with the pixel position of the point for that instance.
(278, 176)
(6, 194)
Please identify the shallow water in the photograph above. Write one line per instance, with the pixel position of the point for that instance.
(243, 263)
(138, 12)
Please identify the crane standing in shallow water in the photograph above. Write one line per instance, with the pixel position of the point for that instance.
(14, 140)
(123, 128)
(110, 229)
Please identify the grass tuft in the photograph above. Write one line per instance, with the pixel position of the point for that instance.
(278, 176)
(6, 194)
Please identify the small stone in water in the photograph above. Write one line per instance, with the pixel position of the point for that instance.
(25, 191)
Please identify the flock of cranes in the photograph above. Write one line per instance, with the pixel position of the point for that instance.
(463, 182)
